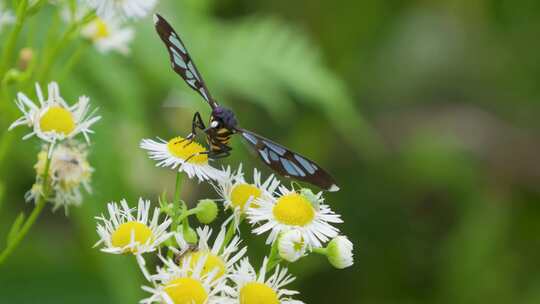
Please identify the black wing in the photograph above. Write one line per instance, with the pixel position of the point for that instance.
(180, 60)
(289, 163)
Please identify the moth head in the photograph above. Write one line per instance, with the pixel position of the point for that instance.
(223, 117)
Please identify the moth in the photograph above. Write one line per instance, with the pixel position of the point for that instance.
(223, 123)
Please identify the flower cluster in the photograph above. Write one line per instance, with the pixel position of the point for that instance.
(106, 23)
(62, 168)
(199, 266)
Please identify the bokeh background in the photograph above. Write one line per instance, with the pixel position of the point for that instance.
(426, 112)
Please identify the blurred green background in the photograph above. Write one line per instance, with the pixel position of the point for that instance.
(426, 112)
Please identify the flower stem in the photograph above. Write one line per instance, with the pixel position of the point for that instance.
(177, 188)
(12, 39)
(321, 251)
(274, 259)
(73, 59)
(40, 204)
(230, 233)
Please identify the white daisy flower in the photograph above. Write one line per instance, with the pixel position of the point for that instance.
(108, 35)
(185, 283)
(108, 9)
(238, 194)
(340, 252)
(68, 171)
(217, 257)
(179, 154)
(6, 17)
(53, 119)
(123, 232)
(295, 211)
(291, 246)
(252, 288)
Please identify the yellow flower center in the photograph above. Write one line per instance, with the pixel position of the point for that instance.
(212, 262)
(258, 293)
(102, 30)
(57, 119)
(186, 291)
(293, 209)
(124, 234)
(182, 149)
(241, 193)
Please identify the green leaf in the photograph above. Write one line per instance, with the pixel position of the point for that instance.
(15, 228)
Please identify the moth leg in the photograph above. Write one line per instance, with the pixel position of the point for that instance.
(197, 123)
(226, 151)
(223, 152)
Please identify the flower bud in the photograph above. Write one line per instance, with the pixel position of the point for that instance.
(208, 211)
(26, 55)
(291, 246)
(190, 236)
(339, 252)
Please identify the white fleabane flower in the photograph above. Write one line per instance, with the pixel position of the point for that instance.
(108, 35)
(53, 119)
(252, 288)
(340, 252)
(6, 17)
(291, 246)
(217, 258)
(122, 232)
(238, 194)
(182, 155)
(108, 9)
(185, 283)
(295, 211)
(68, 171)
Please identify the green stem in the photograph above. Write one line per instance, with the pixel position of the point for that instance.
(12, 39)
(74, 59)
(5, 142)
(40, 204)
(187, 213)
(274, 259)
(50, 57)
(179, 205)
(177, 188)
(230, 233)
(321, 251)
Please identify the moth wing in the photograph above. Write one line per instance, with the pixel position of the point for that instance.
(289, 163)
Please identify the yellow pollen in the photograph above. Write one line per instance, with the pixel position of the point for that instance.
(258, 293)
(293, 209)
(102, 30)
(241, 193)
(186, 291)
(57, 119)
(122, 235)
(212, 262)
(183, 149)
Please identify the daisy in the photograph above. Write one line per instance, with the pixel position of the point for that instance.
(217, 257)
(239, 195)
(179, 154)
(340, 252)
(291, 246)
(68, 171)
(294, 210)
(252, 288)
(108, 35)
(53, 119)
(108, 9)
(6, 17)
(124, 233)
(185, 283)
